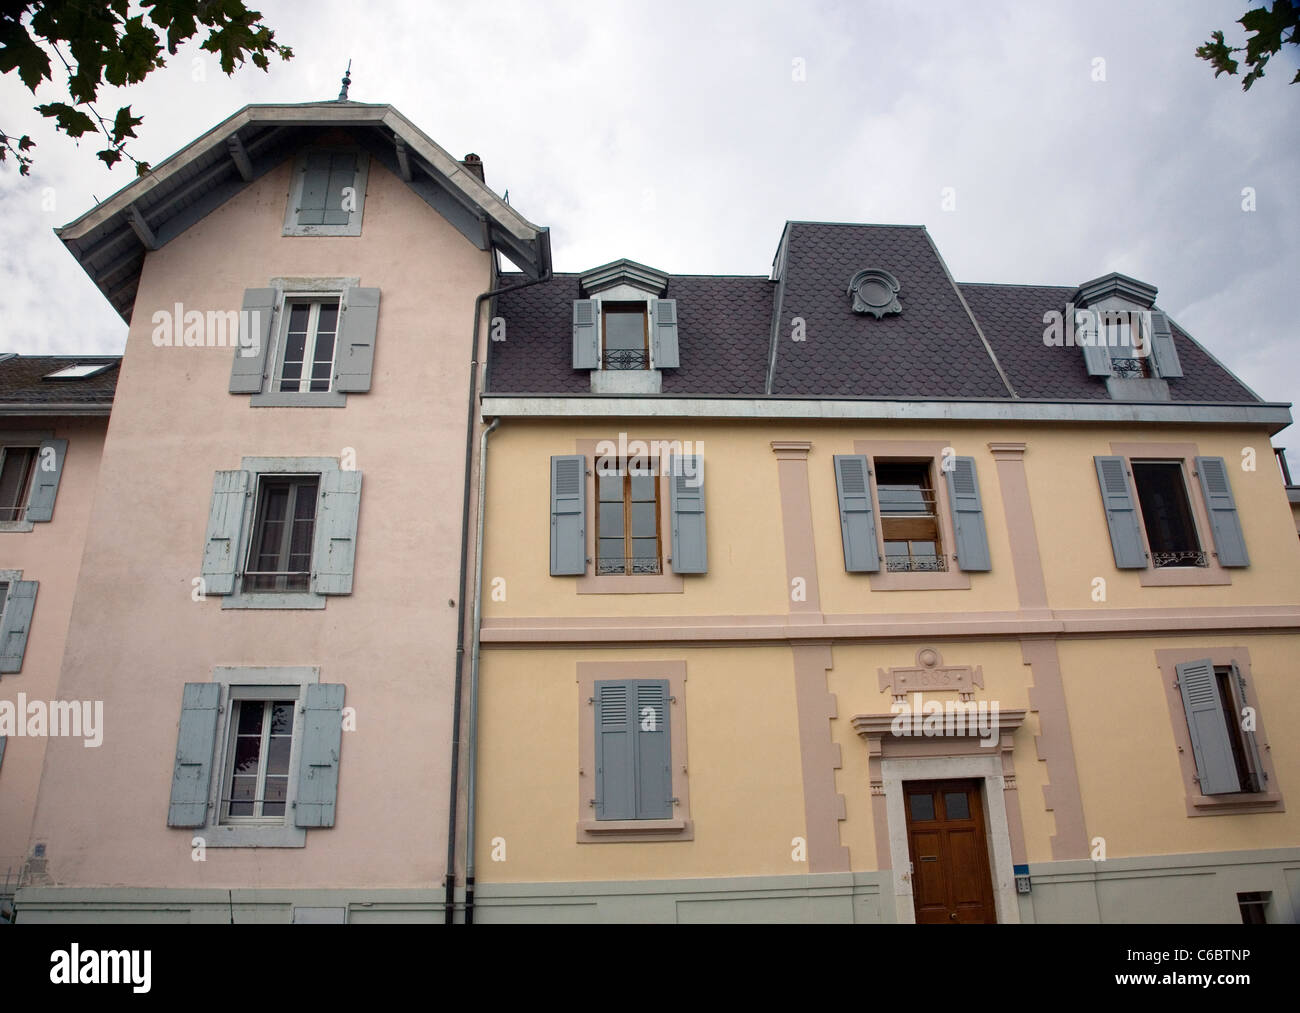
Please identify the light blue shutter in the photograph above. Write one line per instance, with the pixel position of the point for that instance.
(968, 516)
(195, 744)
(1121, 513)
(258, 311)
(318, 770)
(663, 334)
(343, 172)
(1248, 736)
(586, 343)
(1207, 723)
(334, 548)
(568, 515)
(1163, 351)
(315, 188)
(225, 526)
(615, 751)
(1229, 541)
(857, 521)
(654, 771)
(1096, 356)
(17, 624)
(355, 357)
(690, 541)
(45, 480)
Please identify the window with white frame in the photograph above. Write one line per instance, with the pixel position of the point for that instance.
(308, 345)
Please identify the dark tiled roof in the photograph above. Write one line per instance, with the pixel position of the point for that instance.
(931, 350)
(23, 380)
(723, 336)
(1011, 317)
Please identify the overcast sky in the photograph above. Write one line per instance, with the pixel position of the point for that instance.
(684, 135)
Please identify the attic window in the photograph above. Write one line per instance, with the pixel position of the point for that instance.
(327, 193)
(78, 371)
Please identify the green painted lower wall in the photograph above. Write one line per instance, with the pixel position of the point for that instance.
(1199, 888)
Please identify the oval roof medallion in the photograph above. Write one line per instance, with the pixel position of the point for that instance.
(875, 292)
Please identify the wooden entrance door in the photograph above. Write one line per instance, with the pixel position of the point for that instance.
(951, 879)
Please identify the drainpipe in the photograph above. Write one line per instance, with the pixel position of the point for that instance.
(471, 779)
(449, 881)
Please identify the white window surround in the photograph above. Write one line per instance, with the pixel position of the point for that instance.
(255, 683)
(300, 288)
(988, 770)
(353, 228)
(260, 466)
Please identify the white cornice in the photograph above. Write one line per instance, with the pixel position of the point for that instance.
(1273, 417)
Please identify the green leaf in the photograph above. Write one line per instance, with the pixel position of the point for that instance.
(143, 168)
(72, 122)
(124, 124)
(25, 142)
(17, 50)
(111, 156)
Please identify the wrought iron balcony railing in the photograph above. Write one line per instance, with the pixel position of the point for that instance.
(629, 564)
(1185, 558)
(916, 564)
(626, 358)
(1128, 368)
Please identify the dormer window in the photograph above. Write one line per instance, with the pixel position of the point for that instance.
(1125, 340)
(624, 331)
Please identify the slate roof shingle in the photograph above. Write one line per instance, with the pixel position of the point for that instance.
(932, 350)
(23, 380)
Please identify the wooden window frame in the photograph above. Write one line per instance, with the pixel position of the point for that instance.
(663, 582)
(628, 537)
(931, 531)
(922, 451)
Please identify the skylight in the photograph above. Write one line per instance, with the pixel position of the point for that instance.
(78, 371)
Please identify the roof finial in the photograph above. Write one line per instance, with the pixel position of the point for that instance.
(347, 80)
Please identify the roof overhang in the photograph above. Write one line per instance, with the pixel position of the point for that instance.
(110, 240)
(1272, 417)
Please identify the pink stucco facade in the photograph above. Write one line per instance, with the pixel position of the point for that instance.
(50, 553)
(137, 636)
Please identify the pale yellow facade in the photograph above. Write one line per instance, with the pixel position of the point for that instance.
(739, 627)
